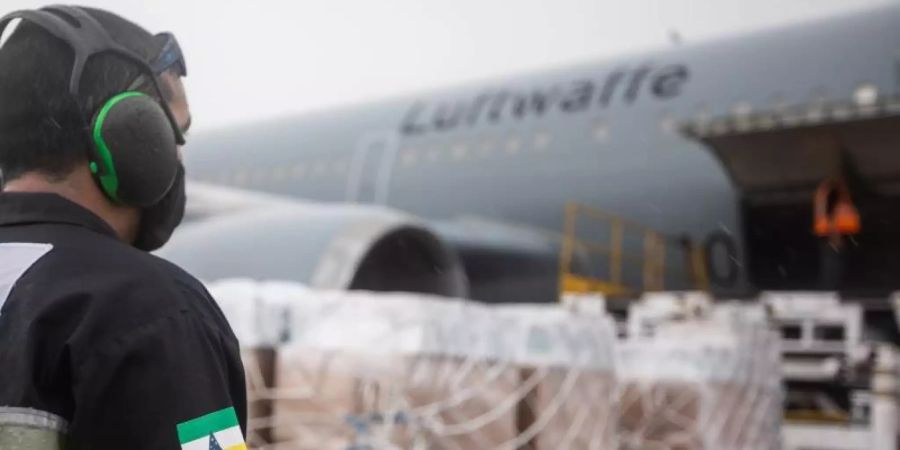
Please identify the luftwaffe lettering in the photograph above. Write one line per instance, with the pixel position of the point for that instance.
(576, 96)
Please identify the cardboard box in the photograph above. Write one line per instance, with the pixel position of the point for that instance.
(337, 400)
(575, 410)
(700, 388)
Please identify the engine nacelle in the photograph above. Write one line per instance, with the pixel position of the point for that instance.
(325, 246)
(505, 263)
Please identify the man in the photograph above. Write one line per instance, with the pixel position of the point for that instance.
(836, 219)
(102, 345)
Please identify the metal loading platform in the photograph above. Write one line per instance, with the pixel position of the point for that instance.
(777, 160)
(610, 255)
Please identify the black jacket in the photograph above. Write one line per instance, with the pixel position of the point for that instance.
(112, 345)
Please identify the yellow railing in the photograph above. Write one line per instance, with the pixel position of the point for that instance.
(648, 253)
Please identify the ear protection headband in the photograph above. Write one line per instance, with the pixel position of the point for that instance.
(132, 139)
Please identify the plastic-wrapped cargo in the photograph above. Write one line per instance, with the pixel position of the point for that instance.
(572, 405)
(362, 370)
(362, 365)
(258, 314)
(656, 308)
(354, 400)
(701, 385)
(404, 371)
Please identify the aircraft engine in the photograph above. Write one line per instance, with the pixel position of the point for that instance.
(325, 246)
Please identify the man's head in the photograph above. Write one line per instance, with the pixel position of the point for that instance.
(45, 144)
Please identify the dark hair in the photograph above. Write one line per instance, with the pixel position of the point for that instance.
(40, 125)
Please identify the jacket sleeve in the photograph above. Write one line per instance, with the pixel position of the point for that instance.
(171, 384)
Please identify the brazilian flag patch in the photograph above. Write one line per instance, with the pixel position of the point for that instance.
(215, 431)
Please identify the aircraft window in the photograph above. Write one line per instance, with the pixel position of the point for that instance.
(541, 140)
(409, 157)
(601, 131)
(248, 178)
(866, 95)
(513, 145)
(719, 127)
(766, 122)
(815, 113)
(485, 149)
(841, 112)
(259, 176)
(702, 118)
(742, 112)
(298, 171)
(319, 168)
(240, 177)
(742, 109)
(279, 174)
(667, 123)
(434, 154)
(893, 106)
(820, 95)
(340, 166)
(460, 151)
(778, 102)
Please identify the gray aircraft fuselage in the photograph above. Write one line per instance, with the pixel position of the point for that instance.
(610, 135)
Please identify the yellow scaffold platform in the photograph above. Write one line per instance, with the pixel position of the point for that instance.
(608, 254)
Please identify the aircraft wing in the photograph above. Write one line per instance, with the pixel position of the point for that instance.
(206, 201)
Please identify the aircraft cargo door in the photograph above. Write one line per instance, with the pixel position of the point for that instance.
(778, 169)
(371, 167)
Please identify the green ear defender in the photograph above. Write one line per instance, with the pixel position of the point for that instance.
(134, 155)
(133, 139)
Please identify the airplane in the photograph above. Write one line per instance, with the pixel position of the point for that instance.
(463, 191)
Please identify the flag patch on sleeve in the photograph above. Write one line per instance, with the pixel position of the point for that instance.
(215, 431)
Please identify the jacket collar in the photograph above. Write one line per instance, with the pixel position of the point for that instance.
(21, 208)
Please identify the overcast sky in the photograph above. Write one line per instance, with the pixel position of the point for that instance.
(249, 60)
